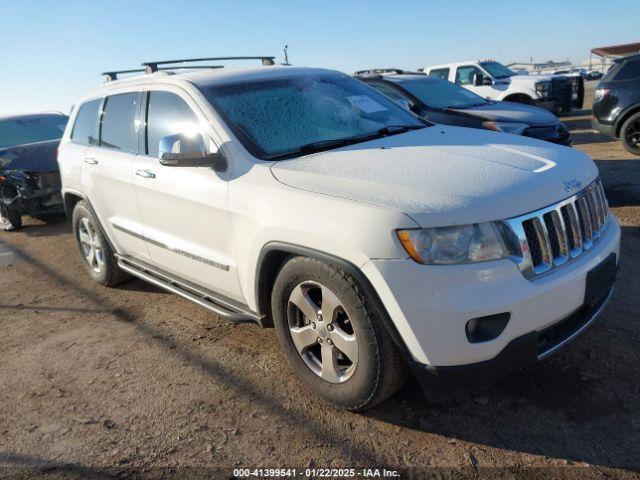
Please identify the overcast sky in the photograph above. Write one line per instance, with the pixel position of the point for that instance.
(53, 51)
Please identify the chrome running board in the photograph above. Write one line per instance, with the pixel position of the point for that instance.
(225, 308)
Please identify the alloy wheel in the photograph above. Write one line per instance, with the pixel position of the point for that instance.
(322, 332)
(91, 247)
(633, 134)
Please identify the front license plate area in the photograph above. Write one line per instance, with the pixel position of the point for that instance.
(600, 280)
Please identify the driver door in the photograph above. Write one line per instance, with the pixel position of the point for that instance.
(187, 227)
(465, 77)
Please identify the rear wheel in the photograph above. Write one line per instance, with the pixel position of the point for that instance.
(330, 338)
(10, 218)
(99, 259)
(630, 134)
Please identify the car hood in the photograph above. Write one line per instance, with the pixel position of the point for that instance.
(31, 157)
(529, 79)
(511, 112)
(445, 175)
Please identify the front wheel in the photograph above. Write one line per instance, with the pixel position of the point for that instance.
(630, 134)
(10, 218)
(330, 336)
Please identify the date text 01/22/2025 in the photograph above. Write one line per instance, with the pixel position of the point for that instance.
(315, 473)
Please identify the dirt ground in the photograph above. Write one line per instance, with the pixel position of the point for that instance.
(132, 381)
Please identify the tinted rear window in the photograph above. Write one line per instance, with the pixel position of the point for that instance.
(85, 129)
(442, 73)
(629, 70)
(118, 122)
(31, 129)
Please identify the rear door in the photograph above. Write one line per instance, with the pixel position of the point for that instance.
(187, 226)
(108, 170)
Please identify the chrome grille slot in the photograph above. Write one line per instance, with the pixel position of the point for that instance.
(555, 235)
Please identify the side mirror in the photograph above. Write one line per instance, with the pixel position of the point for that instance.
(181, 150)
(480, 80)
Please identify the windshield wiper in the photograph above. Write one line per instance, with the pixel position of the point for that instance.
(393, 129)
(342, 142)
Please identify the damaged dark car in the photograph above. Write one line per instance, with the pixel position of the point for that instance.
(29, 174)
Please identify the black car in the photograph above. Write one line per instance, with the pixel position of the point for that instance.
(441, 101)
(616, 105)
(29, 174)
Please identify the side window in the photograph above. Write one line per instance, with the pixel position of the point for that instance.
(442, 73)
(118, 122)
(167, 114)
(85, 128)
(629, 71)
(464, 75)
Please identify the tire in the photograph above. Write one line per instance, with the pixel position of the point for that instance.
(102, 266)
(10, 218)
(374, 369)
(630, 134)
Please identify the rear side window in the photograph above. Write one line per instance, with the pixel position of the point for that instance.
(442, 73)
(85, 128)
(629, 71)
(118, 122)
(167, 114)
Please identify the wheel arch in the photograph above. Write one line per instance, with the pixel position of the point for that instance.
(518, 97)
(274, 254)
(624, 116)
(70, 199)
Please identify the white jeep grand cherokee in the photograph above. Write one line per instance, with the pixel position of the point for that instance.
(373, 241)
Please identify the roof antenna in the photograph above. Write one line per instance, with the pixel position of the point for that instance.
(286, 56)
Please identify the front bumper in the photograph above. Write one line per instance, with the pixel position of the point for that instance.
(603, 128)
(550, 133)
(430, 305)
(521, 352)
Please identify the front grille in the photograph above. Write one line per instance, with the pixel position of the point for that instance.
(555, 235)
(560, 89)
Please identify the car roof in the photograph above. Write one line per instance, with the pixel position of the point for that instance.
(397, 77)
(455, 64)
(204, 77)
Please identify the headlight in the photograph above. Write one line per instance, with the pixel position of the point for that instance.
(543, 88)
(479, 242)
(601, 93)
(506, 127)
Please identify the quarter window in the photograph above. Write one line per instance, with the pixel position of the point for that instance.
(167, 114)
(464, 75)
(85, 128)
(442, 73)
(118, 123)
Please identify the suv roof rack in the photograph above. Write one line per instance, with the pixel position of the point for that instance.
(151, 67)
(384, 71)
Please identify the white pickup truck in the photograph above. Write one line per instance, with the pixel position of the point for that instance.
(494, 81)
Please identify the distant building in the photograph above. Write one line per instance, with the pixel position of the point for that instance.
(543, 67)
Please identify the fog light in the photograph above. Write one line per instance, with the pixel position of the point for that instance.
(483, 329)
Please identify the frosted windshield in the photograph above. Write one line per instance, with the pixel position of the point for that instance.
(277, 117)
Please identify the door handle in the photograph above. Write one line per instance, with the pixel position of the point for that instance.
(145, 174)
(90, 161)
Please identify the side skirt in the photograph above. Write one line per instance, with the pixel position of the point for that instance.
(218, 304)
